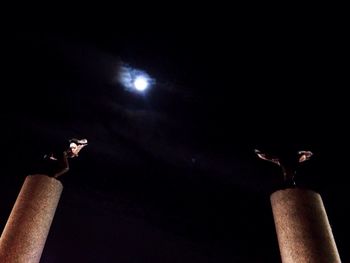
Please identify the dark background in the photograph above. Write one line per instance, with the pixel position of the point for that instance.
(171, 175)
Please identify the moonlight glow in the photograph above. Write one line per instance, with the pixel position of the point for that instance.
(134, 80)
(141, 83)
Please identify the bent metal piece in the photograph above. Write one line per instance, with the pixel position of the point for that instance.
(287, 170)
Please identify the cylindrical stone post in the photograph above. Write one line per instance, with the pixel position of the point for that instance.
(26, 230)
(303, 231)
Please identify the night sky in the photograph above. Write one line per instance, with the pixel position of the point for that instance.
(170, 175)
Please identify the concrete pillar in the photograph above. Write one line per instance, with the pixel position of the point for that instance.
(26, 230)
(303, 230)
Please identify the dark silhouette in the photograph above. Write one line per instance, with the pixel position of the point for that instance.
(288, 165)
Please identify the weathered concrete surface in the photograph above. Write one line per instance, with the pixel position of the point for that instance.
(303, 230)
(26, 230)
